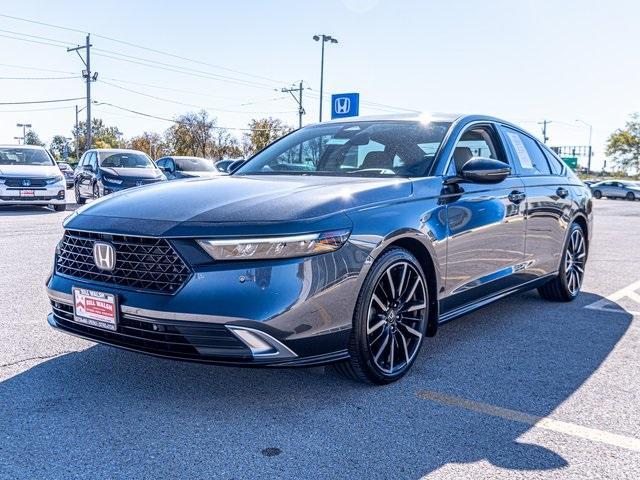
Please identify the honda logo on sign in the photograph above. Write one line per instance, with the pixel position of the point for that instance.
(342, 105)
(345, 105)
(104, 256)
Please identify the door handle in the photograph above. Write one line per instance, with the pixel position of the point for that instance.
(562, 192)
(516, 196)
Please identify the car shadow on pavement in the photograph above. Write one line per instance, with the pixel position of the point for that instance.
(107, 413)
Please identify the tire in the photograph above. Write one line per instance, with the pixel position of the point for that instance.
(96, 191)
(388, 332)
(80, 200)
(597, 194)
(60, 208)
(565, 287)
(630, 196)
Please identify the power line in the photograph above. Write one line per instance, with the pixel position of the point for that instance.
(173, 120)
(42, 101)
(155, 97)
(142, 47)
(38, 37)
(33, 41)
(24, 67)
(36, 109)
(157, 64)
(40, 78)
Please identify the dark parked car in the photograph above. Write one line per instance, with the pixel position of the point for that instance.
(346, 242)
(223, 165)
(104, 171)
(176, 167)
(626, 189)
(67, 172)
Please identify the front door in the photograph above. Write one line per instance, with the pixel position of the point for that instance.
(485, 249)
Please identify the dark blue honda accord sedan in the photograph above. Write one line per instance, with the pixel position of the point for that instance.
(345, 242)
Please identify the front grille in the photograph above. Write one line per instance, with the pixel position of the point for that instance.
(186, 340)
(141, 263)
(9, 198)
(19, 182)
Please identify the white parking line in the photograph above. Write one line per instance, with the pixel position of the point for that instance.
(608, 304)
(545, 423)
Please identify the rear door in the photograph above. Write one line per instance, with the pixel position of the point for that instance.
(547, 206)
(486, 237)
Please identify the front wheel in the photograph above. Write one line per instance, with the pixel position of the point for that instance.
(597, 194)
(566, 286)
(60, 208)
(390, 320)
(80, 200)
(630, 196)
(96, 191)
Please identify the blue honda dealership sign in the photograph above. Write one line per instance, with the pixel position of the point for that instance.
(345, 105)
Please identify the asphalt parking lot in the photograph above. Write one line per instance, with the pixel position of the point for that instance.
(520, 389)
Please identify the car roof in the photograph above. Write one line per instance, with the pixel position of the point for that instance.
(26, 147)
(117, 150)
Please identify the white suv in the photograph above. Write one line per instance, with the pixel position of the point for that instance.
(30, 176)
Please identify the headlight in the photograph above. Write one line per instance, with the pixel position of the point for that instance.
(115, 181)
(275, 247)
(56, 179)
(2, 180)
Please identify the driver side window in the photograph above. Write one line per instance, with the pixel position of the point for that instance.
(477, 141)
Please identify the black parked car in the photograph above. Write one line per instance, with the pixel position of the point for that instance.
(67, 172)
(104, 171)
(177, 167)
(346, 242)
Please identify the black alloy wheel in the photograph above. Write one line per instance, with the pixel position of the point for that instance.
(390, 320)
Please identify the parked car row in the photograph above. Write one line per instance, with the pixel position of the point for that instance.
(30, 174)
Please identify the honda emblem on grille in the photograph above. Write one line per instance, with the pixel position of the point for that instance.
(26, 182)
(139, 183)
(104, 256)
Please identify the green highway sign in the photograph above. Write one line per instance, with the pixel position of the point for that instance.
(572, 162)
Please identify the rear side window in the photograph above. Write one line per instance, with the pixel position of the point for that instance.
(557, 166)
(527, 153)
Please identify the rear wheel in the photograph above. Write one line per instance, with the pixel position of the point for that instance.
(389, 321)
(80, 200)
(630, 196)
(566, 286)
(597, 194)
(60, 208)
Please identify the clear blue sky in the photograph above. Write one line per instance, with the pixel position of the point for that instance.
(522, 60)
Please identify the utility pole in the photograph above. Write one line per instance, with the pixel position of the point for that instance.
(90, 77)
(589, 151)
(322, 39)
(544, 124)
(24, 127)
(298, 100)
(77, 137)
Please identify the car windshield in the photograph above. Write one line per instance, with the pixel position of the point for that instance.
(629, 183)
(24, 156)
(379, 149)
(125, 160)
(194, 164)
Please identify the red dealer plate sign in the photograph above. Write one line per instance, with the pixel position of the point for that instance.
(96, 309)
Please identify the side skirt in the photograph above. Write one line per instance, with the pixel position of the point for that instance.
(470, 307)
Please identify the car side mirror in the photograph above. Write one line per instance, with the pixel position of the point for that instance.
(484, 170)
(165, 169)
(235, 165)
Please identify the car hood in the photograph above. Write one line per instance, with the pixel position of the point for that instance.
(34, 171)
(237, 204)
(132, 172)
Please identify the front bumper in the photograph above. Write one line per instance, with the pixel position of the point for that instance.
(284, 313)
(50, 195)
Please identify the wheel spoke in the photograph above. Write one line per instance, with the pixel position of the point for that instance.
(413, 289)
(412, 331)
(404, 344)
(404, 274)
(382, 347)
(393, 287)
(375, 327)
(379, 302)
(413, 306)
(392, 352)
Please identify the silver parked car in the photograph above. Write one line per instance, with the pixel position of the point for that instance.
(626, 189)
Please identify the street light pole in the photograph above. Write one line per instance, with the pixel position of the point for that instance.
(322, 39)
(590, 150)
